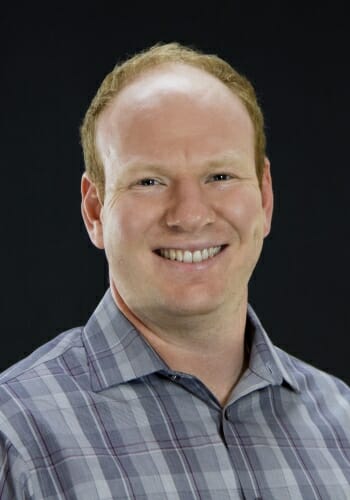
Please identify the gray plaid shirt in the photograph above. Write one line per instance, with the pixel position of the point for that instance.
(96, 414)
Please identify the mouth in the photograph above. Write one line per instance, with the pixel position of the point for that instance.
(188, 256)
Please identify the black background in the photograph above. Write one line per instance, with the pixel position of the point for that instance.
(53, 59)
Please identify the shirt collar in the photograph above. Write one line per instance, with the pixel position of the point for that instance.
(117, 353)
(266, 360)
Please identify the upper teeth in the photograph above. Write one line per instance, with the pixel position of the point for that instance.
(187, 256)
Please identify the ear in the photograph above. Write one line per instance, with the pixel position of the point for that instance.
(91, 209)
(267, 196)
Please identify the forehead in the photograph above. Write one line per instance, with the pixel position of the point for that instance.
(171, 81)
(175, 106)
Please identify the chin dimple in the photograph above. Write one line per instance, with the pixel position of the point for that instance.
(187, 256)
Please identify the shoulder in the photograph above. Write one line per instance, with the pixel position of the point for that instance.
(310, 377)
(321, 393)
(33, 387)
(45, 356)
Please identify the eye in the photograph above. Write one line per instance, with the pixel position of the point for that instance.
(148, 182)
(220, 177)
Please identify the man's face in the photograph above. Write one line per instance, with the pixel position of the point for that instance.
(183, 218)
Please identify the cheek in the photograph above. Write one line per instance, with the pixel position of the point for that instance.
(126, 226)
(245, 211)
(119, 230)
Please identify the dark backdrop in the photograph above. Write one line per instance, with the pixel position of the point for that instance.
(52, 62)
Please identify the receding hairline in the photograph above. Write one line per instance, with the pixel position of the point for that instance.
(168, 67)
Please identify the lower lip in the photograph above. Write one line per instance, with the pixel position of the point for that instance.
(192, 266)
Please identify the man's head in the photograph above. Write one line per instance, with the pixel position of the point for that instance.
(184, 213)
(141, 63)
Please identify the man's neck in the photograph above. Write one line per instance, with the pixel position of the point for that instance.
(218, 367)
(210, 348)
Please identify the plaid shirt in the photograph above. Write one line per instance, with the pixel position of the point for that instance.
(96, 414)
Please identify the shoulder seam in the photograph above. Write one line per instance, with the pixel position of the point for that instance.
(40, 361)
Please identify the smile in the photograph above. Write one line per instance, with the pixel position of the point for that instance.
(187, 256)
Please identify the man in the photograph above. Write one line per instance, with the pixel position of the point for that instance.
(173, 389)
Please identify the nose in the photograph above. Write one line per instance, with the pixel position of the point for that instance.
(190, 209)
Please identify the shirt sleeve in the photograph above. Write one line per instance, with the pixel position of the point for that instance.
(14, 476)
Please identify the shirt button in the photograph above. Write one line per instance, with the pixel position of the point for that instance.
(174, 378)
(270, 370)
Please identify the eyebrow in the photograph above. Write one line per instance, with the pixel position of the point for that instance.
(222, 160)
(227, 158)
